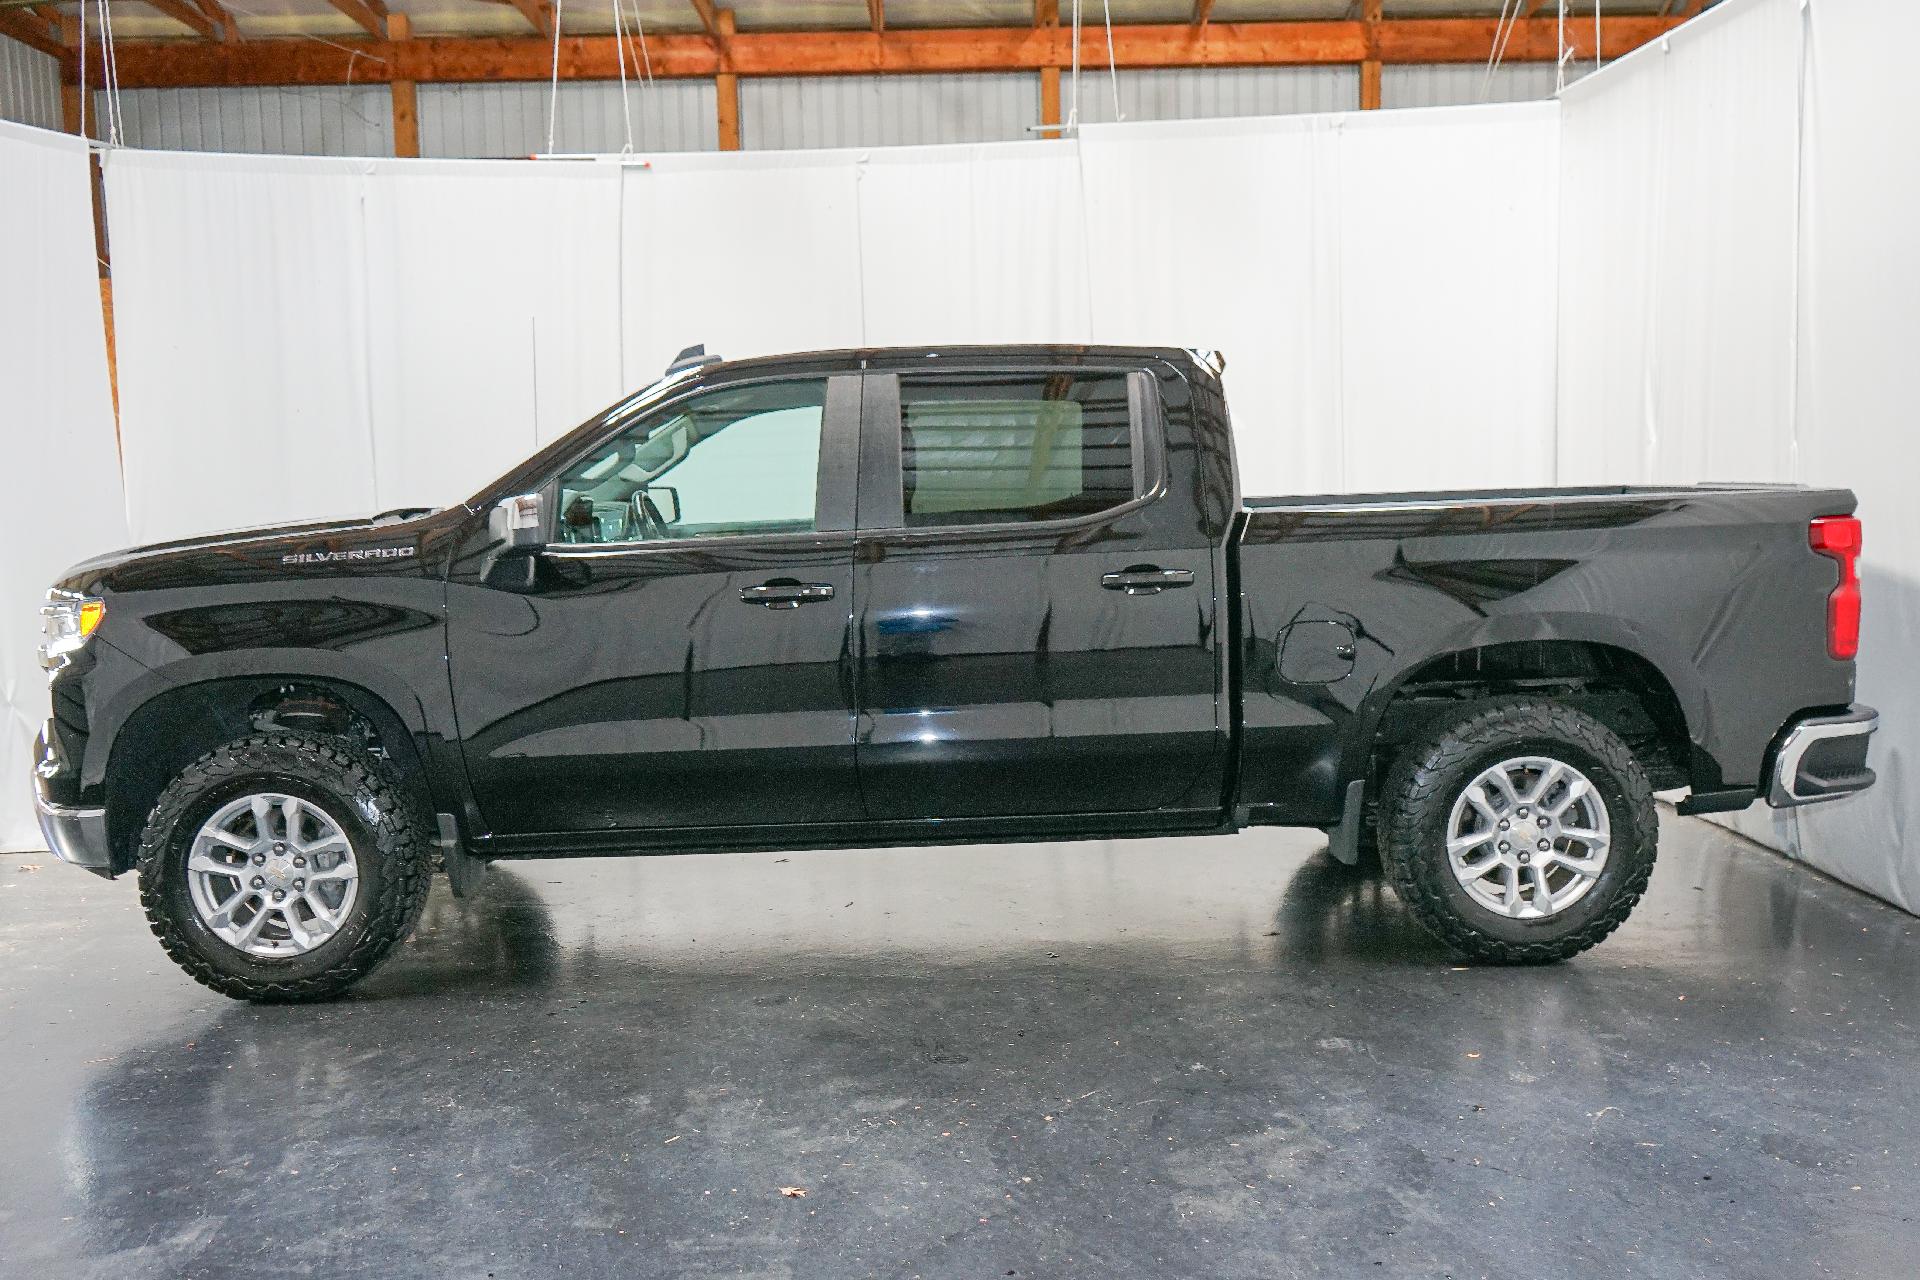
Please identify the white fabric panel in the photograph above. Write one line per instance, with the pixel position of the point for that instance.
(1680, 210)
(493, 316)
(1362, 342)
(972, 244)
(1446, 223)
(240, 315)
(56, 426)
(749, 253)
(1859, 382)
(1214, 235)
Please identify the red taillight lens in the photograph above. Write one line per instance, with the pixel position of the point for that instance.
(1839, 537)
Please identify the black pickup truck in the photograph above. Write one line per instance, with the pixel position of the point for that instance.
(918, 597)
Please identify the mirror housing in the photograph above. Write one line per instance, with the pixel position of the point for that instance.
(518, 522)
(665, 500)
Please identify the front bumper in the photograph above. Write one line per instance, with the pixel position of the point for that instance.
(74, 835)
(1822, 757)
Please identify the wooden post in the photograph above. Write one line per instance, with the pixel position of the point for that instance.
(1370, 66)
(1046, 13)
(726, 86)
(72, 105)
(406, 99)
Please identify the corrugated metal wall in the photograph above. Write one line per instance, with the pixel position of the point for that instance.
(492, 120)
(1195, 93)
(482, 120)
(29, 85)
(784, 113)
(307, 121)
(1458, 84)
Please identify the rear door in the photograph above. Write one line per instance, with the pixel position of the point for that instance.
(1036, 610)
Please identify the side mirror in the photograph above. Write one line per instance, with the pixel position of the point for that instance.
(656, 504)
(518, 522)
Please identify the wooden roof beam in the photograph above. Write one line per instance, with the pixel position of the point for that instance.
(877, 15)
(175, 63)
(1202, 13)
(370, 14)
(34, 31)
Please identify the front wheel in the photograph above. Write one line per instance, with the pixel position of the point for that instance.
(1519, 831)
(284, 867)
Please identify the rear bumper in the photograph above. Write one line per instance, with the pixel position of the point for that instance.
(1822, 757)
(77, 836)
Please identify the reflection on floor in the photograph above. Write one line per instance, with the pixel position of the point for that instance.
(1159, 1058)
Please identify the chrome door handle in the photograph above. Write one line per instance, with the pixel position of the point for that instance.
(786, 595)
(1146, 579)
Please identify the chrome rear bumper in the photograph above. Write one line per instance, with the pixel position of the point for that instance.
(1822, 757)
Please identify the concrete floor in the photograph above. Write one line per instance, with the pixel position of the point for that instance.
(1172, 1058)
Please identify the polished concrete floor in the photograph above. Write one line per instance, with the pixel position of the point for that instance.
(1169, 1058)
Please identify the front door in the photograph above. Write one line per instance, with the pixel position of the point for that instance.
(678, 655)
(1036, 614)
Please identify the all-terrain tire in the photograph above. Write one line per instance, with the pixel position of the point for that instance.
(382, 817)
(1431, 773)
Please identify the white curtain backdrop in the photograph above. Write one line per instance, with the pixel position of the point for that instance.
(1859, 383)
(1738, 300)
(64, 501)
(395, 332)
(240, 330)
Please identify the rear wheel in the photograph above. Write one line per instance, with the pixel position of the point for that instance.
(284, 866)
(1519, 831)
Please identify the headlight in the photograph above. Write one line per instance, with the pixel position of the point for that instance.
(66, 620)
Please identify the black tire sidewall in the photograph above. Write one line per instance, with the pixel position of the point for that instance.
(317, 772)
(1626, 845)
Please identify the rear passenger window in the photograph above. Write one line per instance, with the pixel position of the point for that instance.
(985, 449)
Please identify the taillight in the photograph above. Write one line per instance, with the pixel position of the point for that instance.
(1839, 537)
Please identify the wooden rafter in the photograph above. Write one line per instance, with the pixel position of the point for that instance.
(34, 31)
(877, 15)
(218, 15)
(709, 18)
(163, 63)
(370, 14)
(1202, 13)
(189, 15)
(539, 13)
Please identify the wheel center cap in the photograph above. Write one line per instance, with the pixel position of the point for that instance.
(280, 872)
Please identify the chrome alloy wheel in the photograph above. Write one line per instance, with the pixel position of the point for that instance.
(1528, 838)
(272, 874)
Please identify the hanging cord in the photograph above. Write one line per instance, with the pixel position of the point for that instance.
(110, 64)
(83, 69)
(643, 64)
(553, 90)
(620, 50)
(1560, 63)
(1510, 11)
(1073, 90)
(1113, 71)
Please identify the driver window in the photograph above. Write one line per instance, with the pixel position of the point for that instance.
(733, 461)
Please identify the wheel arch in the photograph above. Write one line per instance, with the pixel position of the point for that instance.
(1636, 696)
(159, 734)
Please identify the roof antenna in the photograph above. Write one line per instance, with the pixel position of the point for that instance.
(694, 357)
